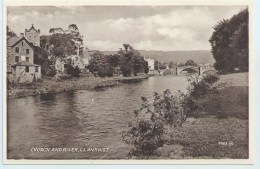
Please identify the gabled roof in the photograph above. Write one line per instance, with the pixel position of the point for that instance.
(13, 41)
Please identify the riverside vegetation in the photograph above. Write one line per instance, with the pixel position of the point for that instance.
(214, 118)
(192, 125)
(151, 121)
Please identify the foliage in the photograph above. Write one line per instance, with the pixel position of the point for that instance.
(160, 65)
(181, 64)
(198, 87)
(73, 71)
(229, 43)
(58, 45)
(211, 79)
(140, 66)
(48, 70)
(101, 64)
(157, 65)
(151, 121)
(64, 43)
(9, 32)
(41, 58)
(171, 64)
(190, 63)
(114, 60)
(131, 62)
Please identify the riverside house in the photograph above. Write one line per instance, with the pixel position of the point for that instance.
(20, 60)
(150, 63)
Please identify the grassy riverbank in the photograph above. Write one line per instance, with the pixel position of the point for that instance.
(49, 85)
(221, 130)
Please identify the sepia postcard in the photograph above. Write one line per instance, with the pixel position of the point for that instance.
(128, 82)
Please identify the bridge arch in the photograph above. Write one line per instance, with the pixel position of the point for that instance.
(189, 70)
(196, 69)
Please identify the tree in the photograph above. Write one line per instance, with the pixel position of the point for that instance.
(157, 65)
(140, 65)
(100, 65)
(190, 63)
(76, 37)
(164, 65)
(41, 58)
(73, 71)
(131, 62)
(229, 43)
(114, 60)
(9, 32)
(171, 64)
(58, 45)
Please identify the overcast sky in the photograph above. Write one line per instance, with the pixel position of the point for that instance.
(165, 28)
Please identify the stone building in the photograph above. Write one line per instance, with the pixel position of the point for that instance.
(150, 63)
(20, 61)
(33, 36)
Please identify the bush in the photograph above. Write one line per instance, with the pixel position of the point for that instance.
(48, 70)
(211, 79)
(106, 70)
(73, 71)
(150, 123)
(191, 106)
(198, 88)
(201, 86)
(101, 65)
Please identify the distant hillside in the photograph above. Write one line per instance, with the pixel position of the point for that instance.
(198, 56)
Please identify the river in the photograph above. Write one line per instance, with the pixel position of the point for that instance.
(79, 119)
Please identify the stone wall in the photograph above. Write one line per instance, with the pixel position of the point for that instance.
(21, 76)
(33, 36)
(11, 54)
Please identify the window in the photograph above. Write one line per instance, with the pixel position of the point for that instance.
(27, 69)
(16, 49)
(36, 69)
(22, 43)
(17, 58)
(27, 59)
(27, 51)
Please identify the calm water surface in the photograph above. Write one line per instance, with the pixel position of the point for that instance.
(79, 119)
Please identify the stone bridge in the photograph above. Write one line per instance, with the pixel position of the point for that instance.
(188, 69)
(195, 69)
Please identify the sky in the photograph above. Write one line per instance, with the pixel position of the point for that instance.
(164, 28)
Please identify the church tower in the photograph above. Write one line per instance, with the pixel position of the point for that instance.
(33, 36)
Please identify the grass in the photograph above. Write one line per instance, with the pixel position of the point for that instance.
(221, 130)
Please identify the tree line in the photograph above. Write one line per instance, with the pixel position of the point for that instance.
(127, 61)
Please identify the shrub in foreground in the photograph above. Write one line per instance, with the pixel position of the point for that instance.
(151, 122)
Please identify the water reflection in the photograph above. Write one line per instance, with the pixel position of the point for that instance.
(79, 119)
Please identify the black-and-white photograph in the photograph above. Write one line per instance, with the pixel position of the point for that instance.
(109, 82)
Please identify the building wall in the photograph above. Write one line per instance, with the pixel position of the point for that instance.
(10, 59)
(150, 63)
(59, 66)
(77, 61)
(21, 76)
(11, 54)
(33, 36)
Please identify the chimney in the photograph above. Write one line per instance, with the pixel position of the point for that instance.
(21, 35)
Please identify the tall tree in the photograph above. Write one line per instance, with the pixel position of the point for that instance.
(229, 43)
(9, 32)
(132, 62)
